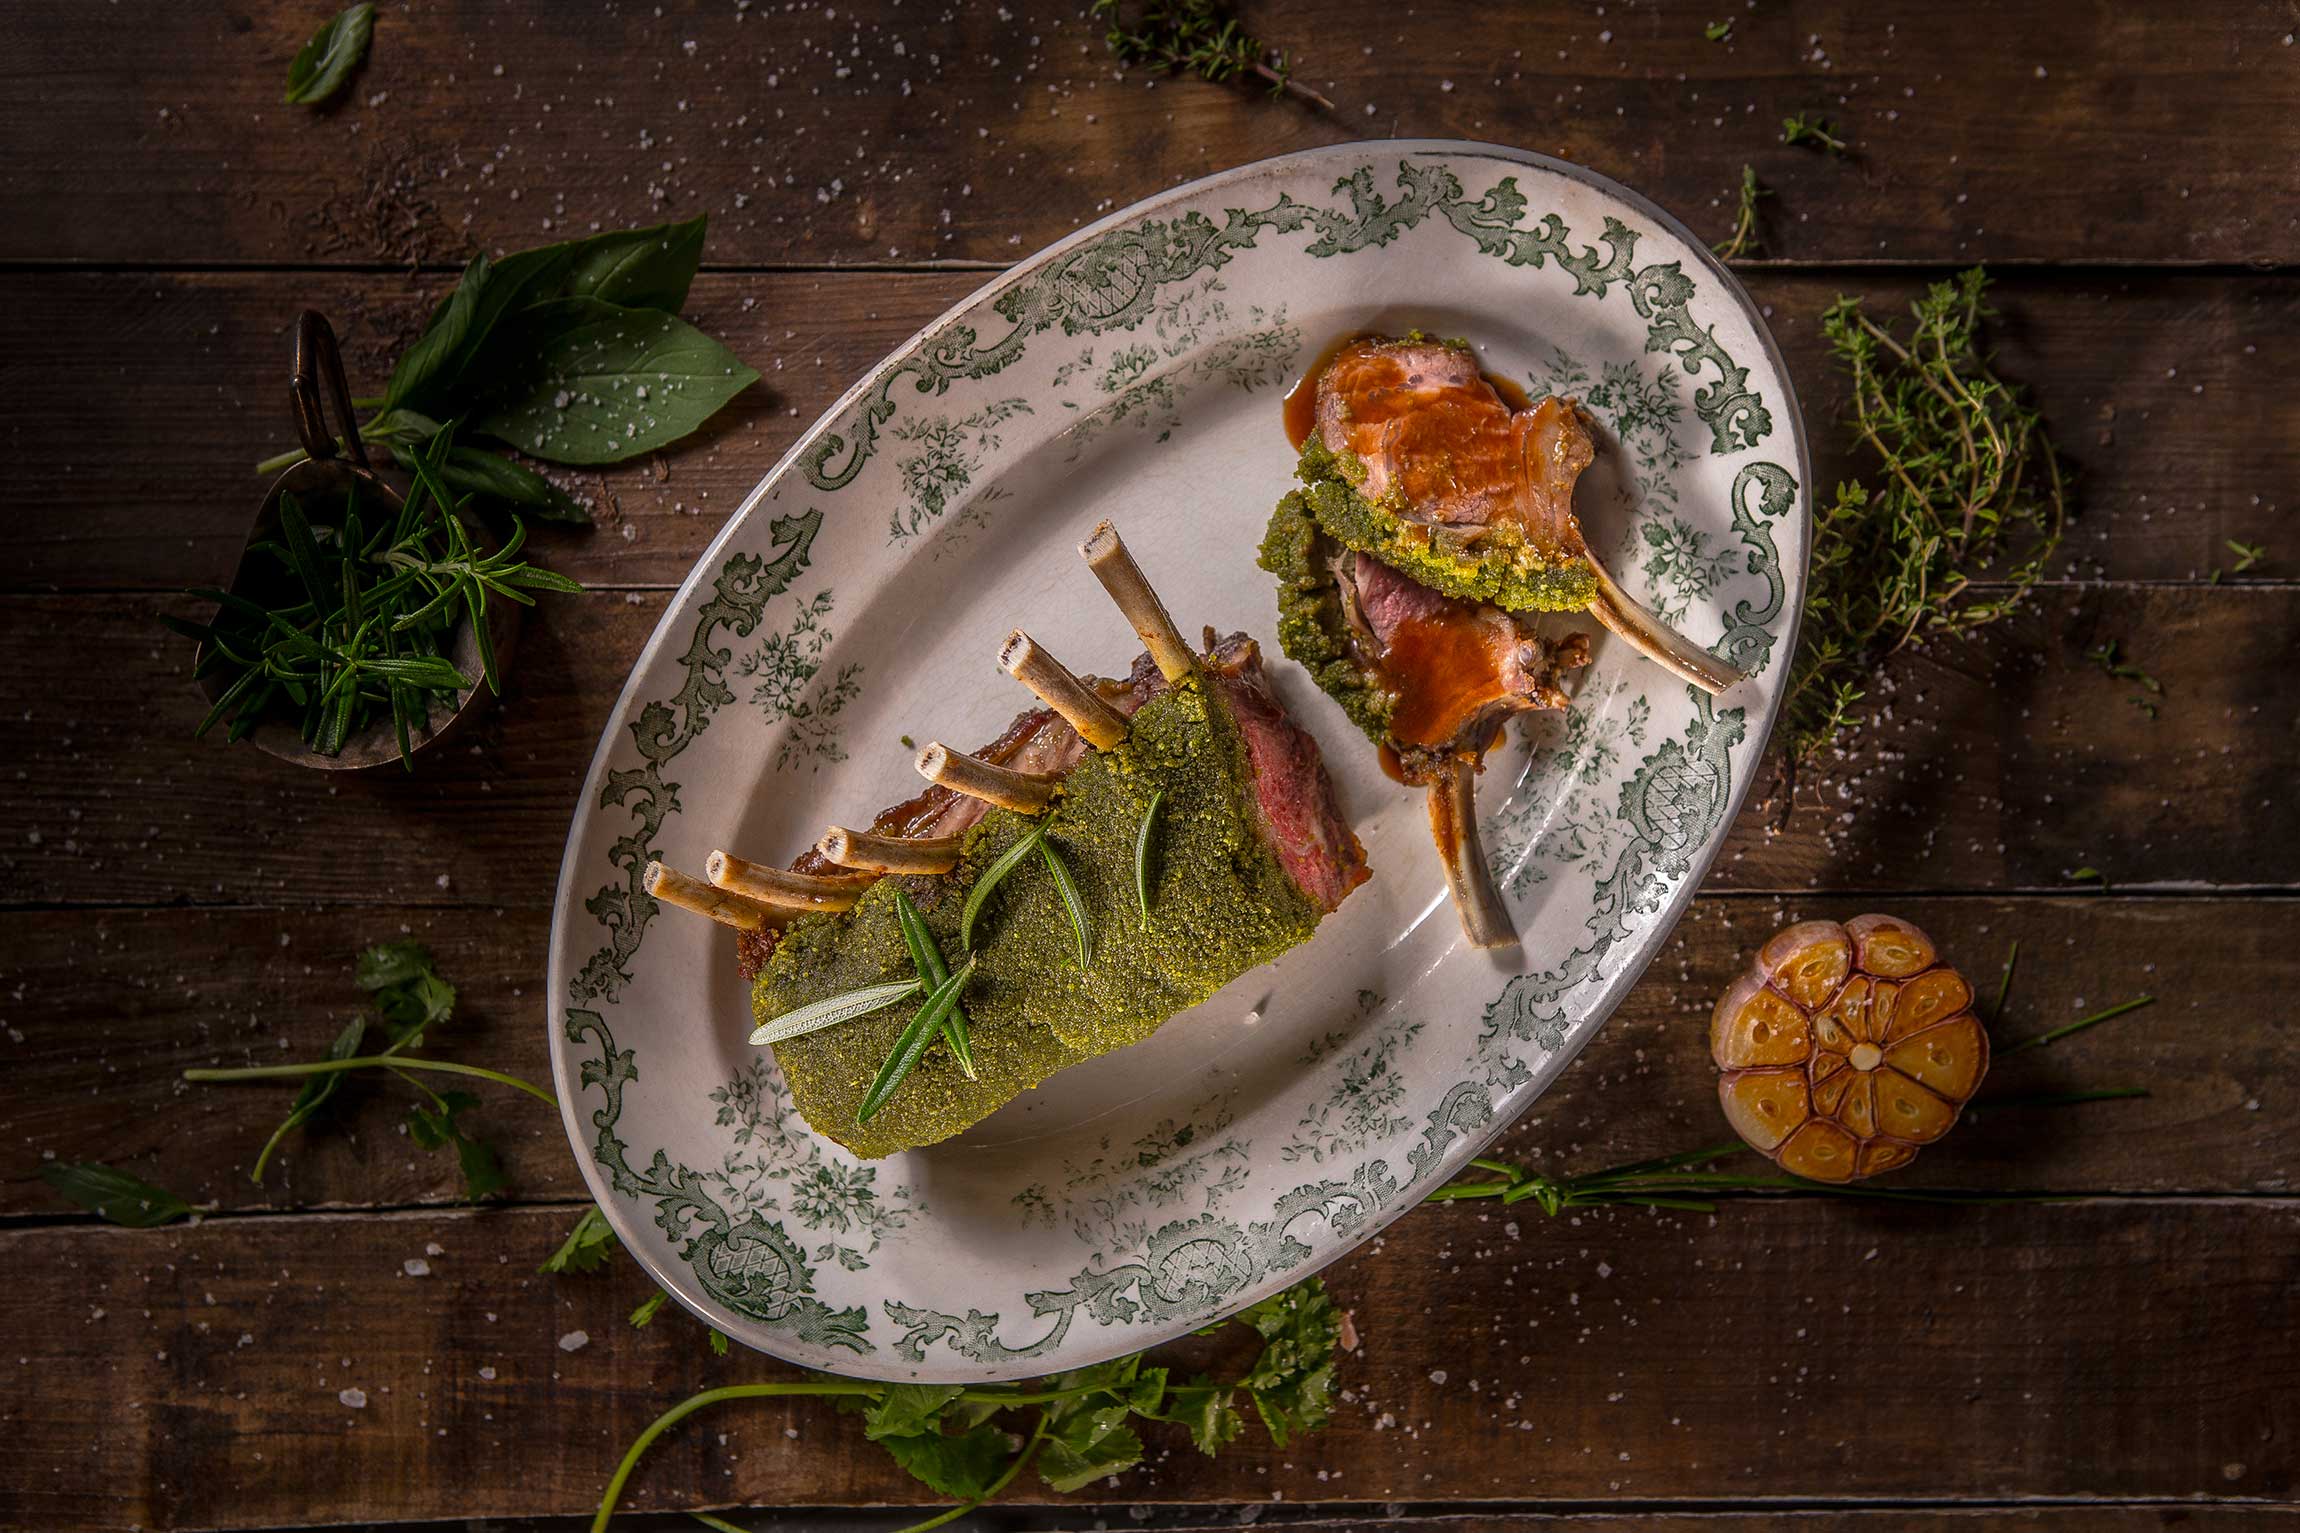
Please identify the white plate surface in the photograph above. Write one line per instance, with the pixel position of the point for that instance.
(1134, 371)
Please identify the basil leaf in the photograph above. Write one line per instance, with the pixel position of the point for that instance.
(637, 268)
(475, 471)
(119, 1197)
(323, 64)
(441, 346)
(581, 381)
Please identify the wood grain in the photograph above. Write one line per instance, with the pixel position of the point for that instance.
(107, 1007)
(136, 404)
(2080, 131)
(192, 1378)
(2009, 762)
(1400, 1517)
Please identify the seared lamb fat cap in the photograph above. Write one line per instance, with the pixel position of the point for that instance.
(1430, 676)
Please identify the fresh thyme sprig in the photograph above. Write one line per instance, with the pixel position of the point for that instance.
(2078, 1026)
(410, 998)
(1743, 240)
(2109, 656)
(2248, 555)
(1797, 128)
(1669, 1182)
(1965, 479)
(957, 1439)
(1201, 38)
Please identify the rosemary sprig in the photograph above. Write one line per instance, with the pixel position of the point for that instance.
(348, 621)
(1743, 240)
(1142, 849)
(1815, 130)
(1965, 479)
(926, 957)
(910, 1047)
(1073, 903)
(990, 879)
(834, 1009)
(1198, 37)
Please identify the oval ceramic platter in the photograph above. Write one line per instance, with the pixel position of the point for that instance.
(1135, 371)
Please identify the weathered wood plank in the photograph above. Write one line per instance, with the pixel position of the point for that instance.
(872, 132)
(106, 1007)
(2009, 762)
(136, 405)
(193, 1378)
(1398, 1517)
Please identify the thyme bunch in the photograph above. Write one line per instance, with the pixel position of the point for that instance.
(1965, 487)
(1198, 37)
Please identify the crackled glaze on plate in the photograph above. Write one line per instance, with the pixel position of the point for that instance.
(1134, 371)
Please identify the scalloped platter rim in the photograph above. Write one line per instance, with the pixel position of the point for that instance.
(1134, 370)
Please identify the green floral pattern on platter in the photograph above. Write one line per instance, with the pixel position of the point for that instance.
(1147, 354)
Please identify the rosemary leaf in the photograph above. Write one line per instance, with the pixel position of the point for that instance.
(926, 957)
(1007, 861)
(1142, 853)
(1072, 901)
(2079, 1025)
(909, 1048)
(832, 1010)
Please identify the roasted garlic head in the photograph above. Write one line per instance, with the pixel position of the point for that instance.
(1846, 1047)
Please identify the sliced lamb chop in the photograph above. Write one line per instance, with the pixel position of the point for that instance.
(1419, 461)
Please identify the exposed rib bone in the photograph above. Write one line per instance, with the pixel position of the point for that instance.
(786, 890)
(673, 887)
(1656, 640)
(1106, 556)
(1097, 723)
(1023, 792)
(888, 854)
(1453, 825)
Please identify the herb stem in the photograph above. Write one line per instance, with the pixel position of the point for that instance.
(2079, 1025)
(370, 1061)
(2004, 983)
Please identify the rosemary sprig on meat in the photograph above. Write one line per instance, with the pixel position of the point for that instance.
(1965, 488)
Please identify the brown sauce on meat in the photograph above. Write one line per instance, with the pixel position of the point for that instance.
(1443, 672)
(1301, 403)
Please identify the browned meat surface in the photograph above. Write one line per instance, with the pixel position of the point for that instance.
(1456, 669)
(1439, 445)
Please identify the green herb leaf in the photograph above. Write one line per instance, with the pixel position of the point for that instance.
(323, 64)
(963, 1466)
(444, 342)
(649, 1307)
(718, 1340)
(926, 957)
(912, 1043)
(1087, 1438)
(906, 1410)
(314, 1095)
(586, 1249)
(1292, 1383)
(436, 1128)
(119, 1197)
(832, 1010)
(991, 876)
(1206, 1409)
(1815, 130)
(1142, 847)
(648, 268)
(1073, 902)
(406, 988)
(476, 471)
(1719, 31)
(579, 380)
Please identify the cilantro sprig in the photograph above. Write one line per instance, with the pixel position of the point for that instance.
(409, 999)
(971, 1443)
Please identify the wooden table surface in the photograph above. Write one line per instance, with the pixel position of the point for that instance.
(2123, 1357)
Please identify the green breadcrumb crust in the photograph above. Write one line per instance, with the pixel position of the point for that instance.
(1312, 629)
(1508, 573)
(1220, 905)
